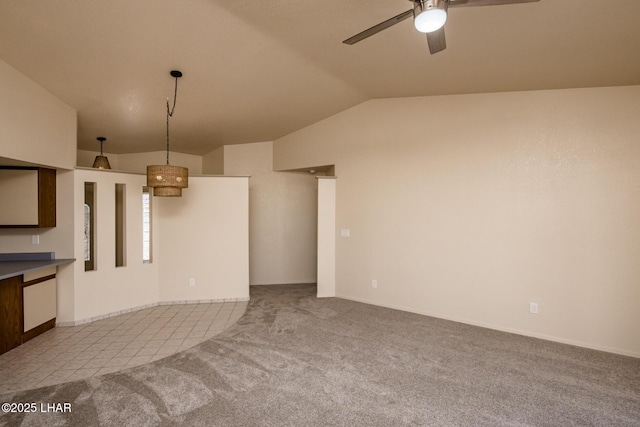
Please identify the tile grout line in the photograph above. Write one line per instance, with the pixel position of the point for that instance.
(71, 353)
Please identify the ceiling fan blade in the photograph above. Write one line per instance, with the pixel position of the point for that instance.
(462, 3)
(436, 41)
(377, 28)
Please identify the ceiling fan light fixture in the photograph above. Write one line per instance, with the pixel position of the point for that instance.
(429, 15)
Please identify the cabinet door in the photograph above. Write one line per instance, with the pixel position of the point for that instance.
(27, 197)
(10, 313)
(19, 197)
(39, 303)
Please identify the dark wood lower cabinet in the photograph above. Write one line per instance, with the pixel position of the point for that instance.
(32, 333)
(11, 320)
(12, 332)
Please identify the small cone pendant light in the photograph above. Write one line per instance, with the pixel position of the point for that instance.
(101, 161)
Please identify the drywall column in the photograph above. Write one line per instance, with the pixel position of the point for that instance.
(326, 237)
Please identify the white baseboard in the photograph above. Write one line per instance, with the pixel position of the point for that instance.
(326, 296)
(497, 328)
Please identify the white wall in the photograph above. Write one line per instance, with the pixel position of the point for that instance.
(194, 236)
(282, 216)
(36, 127)
(111, 289)
(213, 162)
(470, 207)
(204, 236)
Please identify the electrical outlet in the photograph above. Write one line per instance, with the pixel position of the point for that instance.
(374, 283)
(345, 233)
(35, 239)
(533, 307)
(192, 282)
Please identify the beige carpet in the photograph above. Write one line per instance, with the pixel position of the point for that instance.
(294, 360)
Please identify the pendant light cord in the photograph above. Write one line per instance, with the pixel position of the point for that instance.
(170, 114)
(101, 139)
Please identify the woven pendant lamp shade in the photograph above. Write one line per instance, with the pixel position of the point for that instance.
(167, 180)
(101, 162)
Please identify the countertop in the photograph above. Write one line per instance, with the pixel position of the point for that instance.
(12, 265)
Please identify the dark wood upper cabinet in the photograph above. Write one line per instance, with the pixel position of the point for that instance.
(27, 197)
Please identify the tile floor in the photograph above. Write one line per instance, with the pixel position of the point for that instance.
(71, 353)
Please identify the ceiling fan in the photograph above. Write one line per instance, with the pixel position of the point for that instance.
(429, 17)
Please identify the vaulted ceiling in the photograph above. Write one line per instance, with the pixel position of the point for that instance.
(255, 71)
